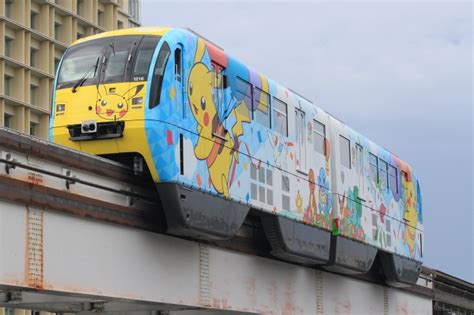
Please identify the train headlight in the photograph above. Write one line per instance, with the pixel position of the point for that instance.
(137, 101)
(60, 107)
(89, 126)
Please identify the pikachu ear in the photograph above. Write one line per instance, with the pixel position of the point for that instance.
(133, 91)
(102, 91)
(200, 49)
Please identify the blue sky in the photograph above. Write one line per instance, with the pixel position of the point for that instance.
(399, 72)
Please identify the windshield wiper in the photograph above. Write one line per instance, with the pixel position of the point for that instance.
(112, 45)
(84, 78)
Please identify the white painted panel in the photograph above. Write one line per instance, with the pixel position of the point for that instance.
(12, 243)
(342, 295)
(405, 303)
(95, 258)
(246, 283)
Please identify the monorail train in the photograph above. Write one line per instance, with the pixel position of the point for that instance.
(220, 139)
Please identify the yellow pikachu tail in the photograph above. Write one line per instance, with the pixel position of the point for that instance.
(242, 115)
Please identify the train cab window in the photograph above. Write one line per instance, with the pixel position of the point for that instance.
(393, 178)
(319, 134)
(79, 61)
(373, 163)
(262, 102)
(119, 53)
(244, 92)
(158, 73)
(345, 152)
(383, 174)
(280, 116)
(143, 57)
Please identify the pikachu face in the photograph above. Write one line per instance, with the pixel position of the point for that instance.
(200, 95)
(112, 106)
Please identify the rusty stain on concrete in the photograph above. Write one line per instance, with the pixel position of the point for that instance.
(34, 258)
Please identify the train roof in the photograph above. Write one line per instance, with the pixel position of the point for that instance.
(161, 31)
(148, 30)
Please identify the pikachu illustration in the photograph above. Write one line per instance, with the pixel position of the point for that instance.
(112, 105)
(216, 145)
(411, 215)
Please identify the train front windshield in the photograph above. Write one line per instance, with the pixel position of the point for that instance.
(107, 60)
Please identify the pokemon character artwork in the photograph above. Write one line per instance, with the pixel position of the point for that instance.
(221, 140)
(411, 214)
(216, 145)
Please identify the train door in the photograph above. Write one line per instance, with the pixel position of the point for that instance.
(360, 170)
(179, 87)
(301, 140)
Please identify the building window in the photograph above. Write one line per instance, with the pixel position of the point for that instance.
(383, 174)
(262, 111)
(79, 7)
(373, 163)
(100, 18)
(33, 94)
(57, 31)
(33, 128)
(133, 9)
(8, 8)
(319, 134)
(7, 120)
(34, 20)
(56, 63)
(280, 116)
(119, 25)
(345, 152)
(34, 57)
(132, 24)
(393, 178)
(7, 82)
(8, 46)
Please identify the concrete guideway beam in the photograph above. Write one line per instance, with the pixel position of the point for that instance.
(77, 234)
(78, 263)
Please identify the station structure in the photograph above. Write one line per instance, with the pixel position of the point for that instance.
(82, 234)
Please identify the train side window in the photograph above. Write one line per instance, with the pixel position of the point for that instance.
(345, 152)
(262, 102)
(421, 245)
(158, 73)
(177, 64)
(383, 174)
(373, 163)
(280, 116)
(393, 178)
(244, 91)
(319, 134)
